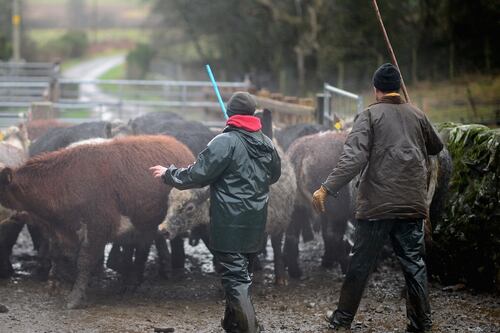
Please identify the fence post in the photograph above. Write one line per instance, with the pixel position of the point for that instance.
(54, 90)
(360, 104)
(41, 110)
(184, 97)
(327, 107)
(320, 116)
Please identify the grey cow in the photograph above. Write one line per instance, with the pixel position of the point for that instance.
(190, 208)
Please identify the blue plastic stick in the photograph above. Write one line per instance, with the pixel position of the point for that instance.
(217, 92)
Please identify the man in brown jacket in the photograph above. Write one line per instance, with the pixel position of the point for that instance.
(389, 144)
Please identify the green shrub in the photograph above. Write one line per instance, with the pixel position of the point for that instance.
(138, 61)
(73, 44)
(467, 240)
(77, 43)
(5, 47)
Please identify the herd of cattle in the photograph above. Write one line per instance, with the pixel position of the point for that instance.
(78, 188)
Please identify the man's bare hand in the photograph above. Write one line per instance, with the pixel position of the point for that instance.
(158, 170)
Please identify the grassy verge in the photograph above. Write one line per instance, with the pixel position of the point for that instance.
(43, 36)
(78, 113)
(468, 99)
(115, 73)
(144, 93)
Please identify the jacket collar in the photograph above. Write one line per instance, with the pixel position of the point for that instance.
(247, 123)
(391, 98)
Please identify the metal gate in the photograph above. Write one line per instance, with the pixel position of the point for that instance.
(22, 84)
(339, 106)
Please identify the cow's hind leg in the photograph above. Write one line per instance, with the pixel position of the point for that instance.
(92, 244)
(164, 258)
(336, 248)
(140, 259)
(9, 231)
(292, 238)
(178, 254)
(329, 243)
(279, 264)
(202, 232)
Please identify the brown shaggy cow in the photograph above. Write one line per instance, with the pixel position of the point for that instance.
(94, 194)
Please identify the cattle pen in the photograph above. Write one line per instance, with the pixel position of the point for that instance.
(179, 289)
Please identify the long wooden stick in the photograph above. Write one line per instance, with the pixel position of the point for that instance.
(391, 51)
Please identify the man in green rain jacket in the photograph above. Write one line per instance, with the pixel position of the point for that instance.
(239, 165)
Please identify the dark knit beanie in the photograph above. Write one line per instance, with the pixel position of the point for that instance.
(241, 102)
(387, 78)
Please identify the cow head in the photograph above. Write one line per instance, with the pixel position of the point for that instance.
(186, 209)
(119, 129)
(7, 200)
(17, 136)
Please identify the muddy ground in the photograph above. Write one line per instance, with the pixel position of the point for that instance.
(193, 302)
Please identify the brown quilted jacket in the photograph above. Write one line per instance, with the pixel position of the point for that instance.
(389, 144)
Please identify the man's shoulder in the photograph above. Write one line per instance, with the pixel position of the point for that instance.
(225, 137)
(268, 140)
(378, 108)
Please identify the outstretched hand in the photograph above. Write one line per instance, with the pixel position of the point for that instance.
(158, 170)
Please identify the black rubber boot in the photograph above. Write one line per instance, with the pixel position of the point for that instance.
(334, 326)
(239, 316)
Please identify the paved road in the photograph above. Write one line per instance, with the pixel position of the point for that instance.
(92, 70)
(95, 68)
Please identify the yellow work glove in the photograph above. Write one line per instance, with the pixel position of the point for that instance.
(319, 198)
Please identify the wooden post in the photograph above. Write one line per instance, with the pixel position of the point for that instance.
(41, 110)
(320, 99)
(16, 31)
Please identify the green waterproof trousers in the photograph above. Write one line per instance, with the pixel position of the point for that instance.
(239, 316)
(407, 238)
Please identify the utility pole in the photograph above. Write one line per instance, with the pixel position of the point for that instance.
(16, 31)
(96, 19)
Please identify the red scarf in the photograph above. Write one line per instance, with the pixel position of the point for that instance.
(247, 123)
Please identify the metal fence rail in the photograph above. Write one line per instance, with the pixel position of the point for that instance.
(28, 71)
(110, 99)
(157, 83)
(24, 83)
(125, 99)
(339, 104)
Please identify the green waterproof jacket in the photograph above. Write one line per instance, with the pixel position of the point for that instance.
(239, 166)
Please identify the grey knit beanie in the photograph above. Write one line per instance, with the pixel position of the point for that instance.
(242, 103)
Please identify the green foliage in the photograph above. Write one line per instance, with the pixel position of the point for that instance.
(467, 241)
(5, 29)
(73, 44)
(337, 41)
(138, 61)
